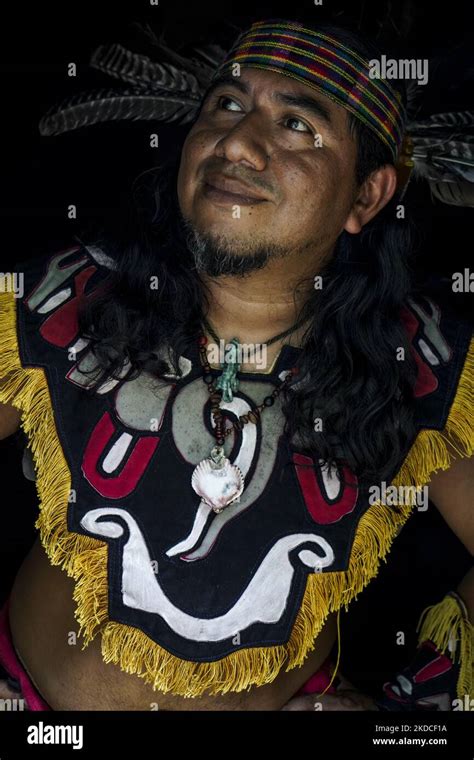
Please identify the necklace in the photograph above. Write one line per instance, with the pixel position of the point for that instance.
(228, 382)
(215, 479)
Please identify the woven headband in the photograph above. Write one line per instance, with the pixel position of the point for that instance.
(325, 64)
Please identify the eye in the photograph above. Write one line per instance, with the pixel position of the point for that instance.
(228, 99)
(298, 121)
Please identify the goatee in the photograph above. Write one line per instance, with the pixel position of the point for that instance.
(213, 256)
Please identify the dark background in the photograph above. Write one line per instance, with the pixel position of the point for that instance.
(94, 168)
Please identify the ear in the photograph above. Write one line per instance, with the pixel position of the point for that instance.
(374, 193)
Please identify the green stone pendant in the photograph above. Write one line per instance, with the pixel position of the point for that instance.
(227, 382)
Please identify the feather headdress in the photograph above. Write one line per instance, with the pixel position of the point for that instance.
(170, 88)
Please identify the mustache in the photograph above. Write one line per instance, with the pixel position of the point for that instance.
(253, 181)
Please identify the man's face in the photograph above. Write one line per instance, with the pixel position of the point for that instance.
(269, 164)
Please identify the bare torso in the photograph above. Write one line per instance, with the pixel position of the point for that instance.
(69, 678)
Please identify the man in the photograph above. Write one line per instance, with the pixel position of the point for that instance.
(286, 238)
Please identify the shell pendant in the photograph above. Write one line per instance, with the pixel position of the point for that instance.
(217, 481)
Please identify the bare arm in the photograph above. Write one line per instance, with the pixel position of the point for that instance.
(452, 492)
(9, 416)
(9, 420)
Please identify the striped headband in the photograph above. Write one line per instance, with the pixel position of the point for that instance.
(327, 65)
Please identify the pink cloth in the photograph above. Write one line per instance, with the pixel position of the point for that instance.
(11, 663)
(320, 680)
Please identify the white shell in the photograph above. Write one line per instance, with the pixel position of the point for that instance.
(217, 487)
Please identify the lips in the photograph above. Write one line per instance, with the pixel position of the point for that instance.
(232, 187)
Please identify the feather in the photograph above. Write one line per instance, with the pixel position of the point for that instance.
(443, 154)
(201, 70)
(459, 151)
(454, 193)
(443, 168)
(85, 109)
(141, 72)
(454, 166)
(459, 119)
(213, 55)
(415, 94)
(463, 146)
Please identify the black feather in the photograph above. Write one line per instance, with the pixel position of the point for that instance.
(454, 193)
(453, 119)
(211, 55)
(201, 70)
(141, 72)
(85, 109)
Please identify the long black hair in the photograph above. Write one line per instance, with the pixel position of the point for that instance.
(350, 373)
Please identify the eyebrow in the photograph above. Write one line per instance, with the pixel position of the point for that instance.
(304, 102)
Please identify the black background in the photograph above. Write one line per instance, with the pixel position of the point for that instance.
(94, 168)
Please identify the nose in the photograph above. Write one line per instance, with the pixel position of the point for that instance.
(243, 144)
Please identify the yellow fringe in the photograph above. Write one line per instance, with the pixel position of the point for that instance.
(85, 558)
(447, 623)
